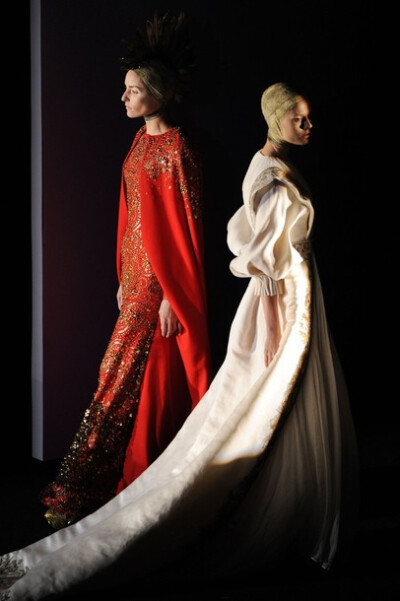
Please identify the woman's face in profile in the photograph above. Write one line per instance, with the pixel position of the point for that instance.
(138, 101)
(296, 125)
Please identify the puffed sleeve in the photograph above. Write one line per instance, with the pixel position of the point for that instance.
(264, 237)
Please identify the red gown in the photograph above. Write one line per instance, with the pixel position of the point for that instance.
(148, 384)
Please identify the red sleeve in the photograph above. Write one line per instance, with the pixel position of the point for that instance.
(123, 209)
(122, 221)
(172, 231)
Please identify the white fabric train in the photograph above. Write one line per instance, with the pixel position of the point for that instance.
(267, 460)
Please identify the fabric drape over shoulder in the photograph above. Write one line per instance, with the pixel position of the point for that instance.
(264, 467)
(269, 233)
(172, 230)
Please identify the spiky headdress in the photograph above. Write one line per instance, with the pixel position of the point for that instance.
(162, 55)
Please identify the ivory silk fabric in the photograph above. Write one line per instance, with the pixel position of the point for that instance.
(263, 464)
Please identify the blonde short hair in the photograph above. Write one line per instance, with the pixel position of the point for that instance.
(276, 101)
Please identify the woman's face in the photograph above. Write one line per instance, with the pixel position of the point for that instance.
(138, 101)
(296, 125)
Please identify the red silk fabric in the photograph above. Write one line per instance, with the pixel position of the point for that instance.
(178, 370)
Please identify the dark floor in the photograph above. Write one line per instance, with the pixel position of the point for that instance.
(371, 573)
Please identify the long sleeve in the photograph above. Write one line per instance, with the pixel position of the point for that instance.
(172, 231)
(266, 235)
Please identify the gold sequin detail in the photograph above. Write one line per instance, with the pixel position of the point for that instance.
(171, 156)
(90, 472)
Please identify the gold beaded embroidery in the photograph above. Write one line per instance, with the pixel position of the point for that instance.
(90, 472)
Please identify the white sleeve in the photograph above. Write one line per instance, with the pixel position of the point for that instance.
(265, 251)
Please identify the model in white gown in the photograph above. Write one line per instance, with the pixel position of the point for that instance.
(265, 465)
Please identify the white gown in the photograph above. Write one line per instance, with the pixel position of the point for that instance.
(265, 464)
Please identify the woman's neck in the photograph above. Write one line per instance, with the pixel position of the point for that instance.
(273, 150)
(157, 124)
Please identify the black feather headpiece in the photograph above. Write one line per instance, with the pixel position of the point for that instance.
(163, 56)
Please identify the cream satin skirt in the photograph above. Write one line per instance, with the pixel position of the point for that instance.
(265, 464)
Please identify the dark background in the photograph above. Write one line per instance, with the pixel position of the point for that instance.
(330, 51)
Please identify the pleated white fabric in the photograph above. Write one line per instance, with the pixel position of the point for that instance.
(264, 462)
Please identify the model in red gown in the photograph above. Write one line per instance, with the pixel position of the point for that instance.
(148, 383)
